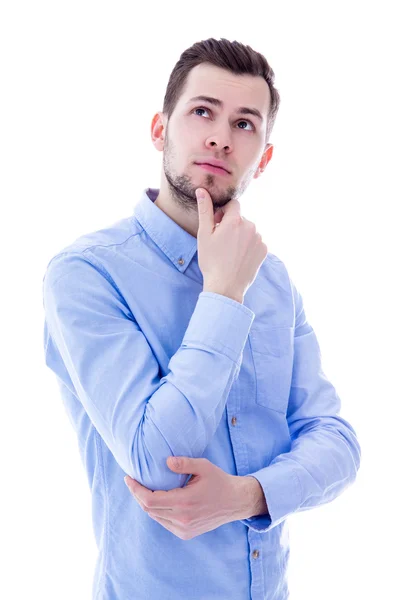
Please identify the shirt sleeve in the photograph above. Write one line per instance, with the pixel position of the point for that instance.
(325, 453)
(109, 365)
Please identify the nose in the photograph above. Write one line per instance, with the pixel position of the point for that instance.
(221, 140)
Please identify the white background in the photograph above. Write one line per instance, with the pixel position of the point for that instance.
(80, 83)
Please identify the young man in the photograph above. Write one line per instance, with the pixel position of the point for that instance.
(175, 333)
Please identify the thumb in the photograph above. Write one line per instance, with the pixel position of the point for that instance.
(185, 464)
(205, 209)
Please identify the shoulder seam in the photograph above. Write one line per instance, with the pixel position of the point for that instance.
(90, 261)
(115, 243)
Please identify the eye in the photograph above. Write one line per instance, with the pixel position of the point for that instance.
(241, 121)
(249, 122)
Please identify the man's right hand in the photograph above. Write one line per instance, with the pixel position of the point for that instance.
(230, 251)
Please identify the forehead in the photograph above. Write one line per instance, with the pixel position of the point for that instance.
(208, 80)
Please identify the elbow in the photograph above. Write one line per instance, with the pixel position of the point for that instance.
(148, 461)
(347, 434)
(353, 444)
(153, 472)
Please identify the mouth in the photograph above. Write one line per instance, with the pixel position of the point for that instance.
(217, 170)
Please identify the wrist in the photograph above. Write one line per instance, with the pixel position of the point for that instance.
(254, 502)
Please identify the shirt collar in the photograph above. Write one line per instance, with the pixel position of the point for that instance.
(176, 243)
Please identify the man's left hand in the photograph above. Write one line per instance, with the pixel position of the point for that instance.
(211, 498)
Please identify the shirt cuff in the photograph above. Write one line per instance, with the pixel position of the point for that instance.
(221, 323)
(282, 491)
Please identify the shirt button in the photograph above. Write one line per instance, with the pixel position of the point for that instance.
(181, 261)
(233, 421)
(255, 554)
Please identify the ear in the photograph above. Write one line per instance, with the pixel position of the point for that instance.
(158, 131)
(266, 157)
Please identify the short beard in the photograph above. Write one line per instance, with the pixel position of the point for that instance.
(183, 191)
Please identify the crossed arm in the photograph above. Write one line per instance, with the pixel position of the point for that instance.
(210, 499)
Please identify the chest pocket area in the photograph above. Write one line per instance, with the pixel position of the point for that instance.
(272, 350)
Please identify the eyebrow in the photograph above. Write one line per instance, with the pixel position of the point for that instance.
(242, 110)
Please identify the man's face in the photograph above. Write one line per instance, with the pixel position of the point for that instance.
(198, 131)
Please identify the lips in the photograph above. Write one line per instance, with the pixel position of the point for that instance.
(214, 168)
(215, 162)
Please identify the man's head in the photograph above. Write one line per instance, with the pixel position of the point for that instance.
(234, 126)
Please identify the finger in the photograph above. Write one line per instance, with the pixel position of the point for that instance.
(231, 208)
(148, 498)
(138, 491)
(157, 512)
(160, 512)
(142, 506)
(169, 526)
(219, 215)
(148, 506)
(205, 209)
(162, 520)
(158, 500)
(177, 519)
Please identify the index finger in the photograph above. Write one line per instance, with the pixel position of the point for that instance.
(231, 208)
(153, 499)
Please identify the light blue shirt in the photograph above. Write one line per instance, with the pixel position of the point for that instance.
(150, 366)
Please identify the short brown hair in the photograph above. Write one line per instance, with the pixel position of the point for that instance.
(233, 56)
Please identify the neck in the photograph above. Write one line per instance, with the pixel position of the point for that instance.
(187, 219)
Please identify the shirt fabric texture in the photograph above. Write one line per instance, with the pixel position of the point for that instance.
(150, 366)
